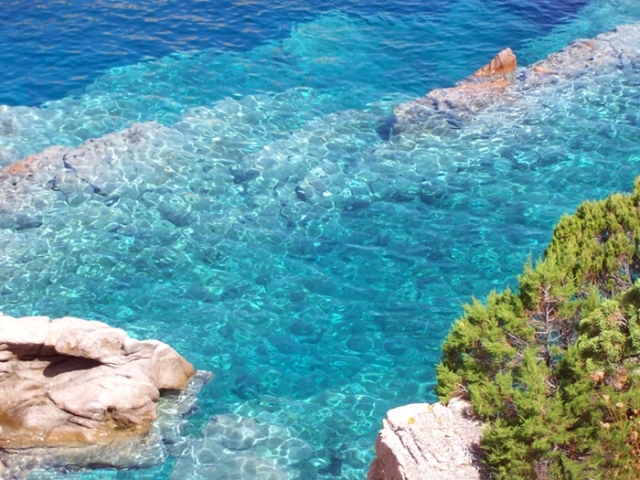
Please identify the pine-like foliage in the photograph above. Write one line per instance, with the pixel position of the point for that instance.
(554, 368)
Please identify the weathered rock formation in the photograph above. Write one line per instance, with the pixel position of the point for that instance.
(499, 85)
(501, 65)
(483, 88)
(68, 383)
(428, 442)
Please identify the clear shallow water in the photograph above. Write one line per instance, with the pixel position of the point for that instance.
(268, 234)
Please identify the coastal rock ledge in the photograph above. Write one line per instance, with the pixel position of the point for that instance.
(68, 383)
(428, 442)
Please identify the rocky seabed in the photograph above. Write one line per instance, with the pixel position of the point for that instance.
(234, 165)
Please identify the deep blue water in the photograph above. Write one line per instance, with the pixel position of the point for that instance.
(52, 49)
(262, 227)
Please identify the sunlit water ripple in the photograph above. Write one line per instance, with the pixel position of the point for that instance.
(261, 227)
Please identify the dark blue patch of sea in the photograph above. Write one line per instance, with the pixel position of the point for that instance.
(50, 49)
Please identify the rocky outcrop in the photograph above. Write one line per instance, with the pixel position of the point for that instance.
(68, 382)
(501, 65)
(498, 85)
(484, 88)
(428, 442)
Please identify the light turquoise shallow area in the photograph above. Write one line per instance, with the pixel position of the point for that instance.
(277, 241)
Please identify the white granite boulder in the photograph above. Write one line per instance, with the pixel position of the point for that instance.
(428, 442)
(70, 382)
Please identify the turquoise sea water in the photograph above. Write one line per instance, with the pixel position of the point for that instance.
(264, 230)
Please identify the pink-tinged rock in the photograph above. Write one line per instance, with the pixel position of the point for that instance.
(456, 104)
(495, 88)
(504, 63)
(24, 336)
(487, 87)
(153, 353)
(47, 161)
(428, 442)
(86, 339)
(70, 382)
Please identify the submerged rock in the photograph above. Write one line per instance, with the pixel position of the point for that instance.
(81, 393)
(619, 49)
(499, 86)
(487, 86)
(434, 442)
(386, 127)
(242, 448)
(453, 106)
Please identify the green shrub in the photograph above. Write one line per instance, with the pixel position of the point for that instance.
(553, 368)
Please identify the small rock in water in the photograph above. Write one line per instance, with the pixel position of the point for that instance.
(502, 64)
(387, 126)
(247, 387)
(334, 468)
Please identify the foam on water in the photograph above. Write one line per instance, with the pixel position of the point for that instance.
(277, 241)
